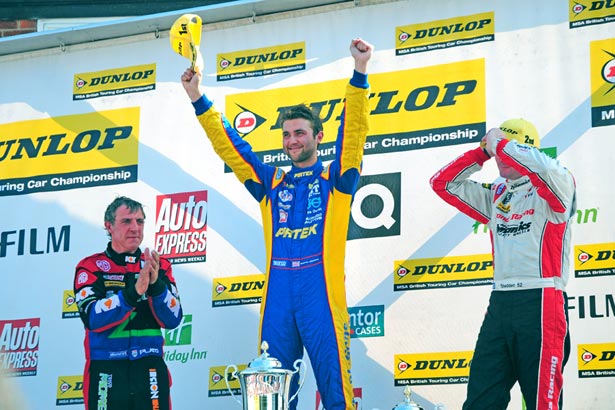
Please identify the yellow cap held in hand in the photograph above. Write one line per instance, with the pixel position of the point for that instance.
(185, 37)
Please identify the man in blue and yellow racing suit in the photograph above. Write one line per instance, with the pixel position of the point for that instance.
(305, 214)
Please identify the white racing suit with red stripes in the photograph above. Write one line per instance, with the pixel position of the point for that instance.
(524, 335)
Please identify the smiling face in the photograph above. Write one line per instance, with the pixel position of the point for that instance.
(299, 142)
(126, 231)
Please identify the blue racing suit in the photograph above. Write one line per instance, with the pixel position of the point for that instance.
(305, 214)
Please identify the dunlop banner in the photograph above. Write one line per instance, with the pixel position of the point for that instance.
(596, 259)
(596, 360)
(432, 368)
(458, 31)
(590, 12)
(260, 62)
(412, 109)
(116, 81)
(69, 152)
(445, 272)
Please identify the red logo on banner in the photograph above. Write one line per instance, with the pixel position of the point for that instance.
(19, 346)
(181, 226)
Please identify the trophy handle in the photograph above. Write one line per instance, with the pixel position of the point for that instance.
(298, 365)
(228, 387)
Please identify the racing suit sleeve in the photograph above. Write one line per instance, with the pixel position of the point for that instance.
(451, 183)
(554, 183)
(163, 298)
(98, 311)
(233, 150)
(352, 133)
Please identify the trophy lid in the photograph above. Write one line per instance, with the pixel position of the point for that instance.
(264, 361)
(407, 404)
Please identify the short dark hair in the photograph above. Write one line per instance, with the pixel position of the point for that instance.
(305, 112)
(131, 204)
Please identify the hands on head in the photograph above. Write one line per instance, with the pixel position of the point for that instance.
(149, 272)
(490, 140)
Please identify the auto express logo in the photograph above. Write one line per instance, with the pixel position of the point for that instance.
(376, 207)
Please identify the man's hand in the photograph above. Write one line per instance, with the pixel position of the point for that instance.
(361, 51)
(191, 81)
(490, 141)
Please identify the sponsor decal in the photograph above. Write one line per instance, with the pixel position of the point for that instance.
(178, 342)
(154, 391)
(357, 400)
(260, 62)
(592, 260)
(376, 207)
(217, 383)
(445, 105)
(32, 242)
(444, 272)
(602, 78)
(439, 34)
(69, 152)
(69, 390)
(591, 306)
(237, 290)
(596, 360)
(19, 346)
(590, 12)
(366, 321)
(181, 226)
(432, 368)
(117, 81)
(105, 305)
(69, 303)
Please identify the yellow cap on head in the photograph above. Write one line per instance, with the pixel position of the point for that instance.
(521, 131)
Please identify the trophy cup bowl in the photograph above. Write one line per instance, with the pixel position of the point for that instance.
(265, 385)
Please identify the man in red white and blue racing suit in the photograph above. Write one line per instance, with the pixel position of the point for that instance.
(524, 335)
(305, 214)
(125, 296)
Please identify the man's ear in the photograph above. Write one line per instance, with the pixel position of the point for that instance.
(319, 137)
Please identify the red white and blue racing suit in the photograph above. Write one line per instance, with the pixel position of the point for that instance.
(305, 214)
(123, 337)
(524, 335)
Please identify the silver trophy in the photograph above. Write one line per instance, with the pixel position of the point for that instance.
(265, 385)
(407, 404)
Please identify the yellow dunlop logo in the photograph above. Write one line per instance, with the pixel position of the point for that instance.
(596, 360)
(69, 390)
(261, 61)
(594, 260)
(438, 34)
(83, 150)
(217, 383)
(117, 81)
(602, 75)
(432, 368)
(445, 272)
(412, 109)
(590, 12)
(237, 290)
(69, 307)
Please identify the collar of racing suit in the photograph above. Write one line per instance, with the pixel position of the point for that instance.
(122, 258)
(296, 172)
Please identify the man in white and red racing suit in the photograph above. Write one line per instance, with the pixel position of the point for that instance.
(524, 335)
